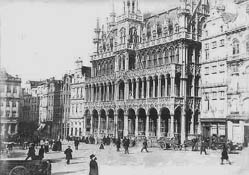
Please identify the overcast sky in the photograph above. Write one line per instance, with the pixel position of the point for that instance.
(43, 38)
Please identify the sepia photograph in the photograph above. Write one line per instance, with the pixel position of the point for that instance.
(124, 87)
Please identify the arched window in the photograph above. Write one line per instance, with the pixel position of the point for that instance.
(235, 46)
(148, 31)
(177, 55)
(122, 36)
(123, 62)
(166, 56)
(172, 55)
(159, 29)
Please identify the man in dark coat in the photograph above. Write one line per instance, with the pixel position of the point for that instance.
(145, 145)
(126, 143)
(118, 142)
(93, 165)
(31, 152)
(41, 152)
(203, 147)
(68, 153)
(224, 155)
(76, 144)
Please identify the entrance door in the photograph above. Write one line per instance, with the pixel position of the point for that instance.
(246, 135)
(206, 131)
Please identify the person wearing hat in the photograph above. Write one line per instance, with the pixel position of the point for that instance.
(31, 152)
(68, 153)
(93, 165)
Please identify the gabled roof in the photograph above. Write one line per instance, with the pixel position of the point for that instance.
(228, 17)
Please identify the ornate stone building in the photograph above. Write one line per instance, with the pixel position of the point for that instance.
(146, 73)
(76, 118)
(225, 72)
(50, 108)
(10, 93)
(66, 96)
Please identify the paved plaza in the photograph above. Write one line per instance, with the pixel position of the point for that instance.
(156, 162)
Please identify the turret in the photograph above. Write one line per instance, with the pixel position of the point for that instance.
(96, 39)
(130, 6)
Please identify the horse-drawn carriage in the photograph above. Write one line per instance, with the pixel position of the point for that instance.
(169, 143)
(25, 167)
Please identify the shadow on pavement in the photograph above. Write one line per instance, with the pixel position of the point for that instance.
(69, 172)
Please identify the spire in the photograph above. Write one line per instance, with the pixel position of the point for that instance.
(113, 14)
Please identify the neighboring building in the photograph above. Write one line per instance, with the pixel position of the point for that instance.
(50, 108)
(146, 73)
(225, 73)
(66, 96)
(76, 118)
(10, 93)
(30, 110)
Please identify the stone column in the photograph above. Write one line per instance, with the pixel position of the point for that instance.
(126, 90)
(136, 126)
(107, 120)
(154, 88)
(172, 86)
(98, 124)
(192, 124)
(91, 130)
(147, 126)
(183, 129)
(108, 93)
(9, 128)
(172, 125)
(159, 91)
(132, 89)
(166, 86)
(116, 124)
(116, 91)
(148, 88)
(137, 89)
(159, 126)
(125, 124)
(16, 128)
(143, 85)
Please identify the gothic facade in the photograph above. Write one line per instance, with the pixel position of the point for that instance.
(146, 73)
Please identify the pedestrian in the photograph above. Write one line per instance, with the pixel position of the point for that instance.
(224, 155)
(59, 145)
(46, 146)
(76, 144)
(68, 153)
(118, 142)
(145, 145)
(93, 165)
(41, 152)
(31, 152)
(126, 143)
(203, 147)
(101, 145)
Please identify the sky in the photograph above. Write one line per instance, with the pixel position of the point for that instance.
(43, 38)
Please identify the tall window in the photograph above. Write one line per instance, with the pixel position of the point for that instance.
(122, 36)
(235, 47)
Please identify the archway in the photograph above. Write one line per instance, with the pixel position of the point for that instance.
(88, 121)
(120, 126)
(95, 121)
(165, 122)
(121, 90)
(196, 121)
(141, 121)
(131, 122)
(111, 125)
(177, 122)
(102, 120)
(153, 116)
(188, 121)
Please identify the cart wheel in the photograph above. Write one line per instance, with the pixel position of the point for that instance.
(162, 145)
(19, 170)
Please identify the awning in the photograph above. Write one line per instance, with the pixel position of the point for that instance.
(213, 120)
(41, 127)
